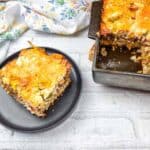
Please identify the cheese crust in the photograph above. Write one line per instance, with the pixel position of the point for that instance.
(36, 79)
(125, 22)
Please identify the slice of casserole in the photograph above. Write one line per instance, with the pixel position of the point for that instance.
(125, 22)
(36, 79)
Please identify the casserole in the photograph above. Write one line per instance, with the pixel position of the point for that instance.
(121, 73)
(36, 79)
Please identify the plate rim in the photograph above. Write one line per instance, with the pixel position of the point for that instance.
(61, 119)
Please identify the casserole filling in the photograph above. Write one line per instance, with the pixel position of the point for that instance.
(126, 23)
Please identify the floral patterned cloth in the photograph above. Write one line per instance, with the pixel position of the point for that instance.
(53, 16)
(63, 17)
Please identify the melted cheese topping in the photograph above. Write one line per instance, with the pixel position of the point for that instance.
(132, 16)
(34, 72)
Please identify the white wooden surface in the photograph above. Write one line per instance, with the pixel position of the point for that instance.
(106, 117)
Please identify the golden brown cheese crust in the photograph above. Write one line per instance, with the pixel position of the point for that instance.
(130, 18)
(34, 76)
(127, 23)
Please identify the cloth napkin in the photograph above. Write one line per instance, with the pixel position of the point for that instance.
(63, 17)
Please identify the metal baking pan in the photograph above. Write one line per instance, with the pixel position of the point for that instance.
(108, 71)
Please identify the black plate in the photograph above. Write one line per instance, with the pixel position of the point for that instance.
(15, 116)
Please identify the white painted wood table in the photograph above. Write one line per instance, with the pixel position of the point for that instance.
(106, 117)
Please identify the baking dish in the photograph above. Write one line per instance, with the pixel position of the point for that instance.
(125, 74)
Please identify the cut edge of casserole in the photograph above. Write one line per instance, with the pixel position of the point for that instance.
(145, 59)
(125, 23)
(36, 79)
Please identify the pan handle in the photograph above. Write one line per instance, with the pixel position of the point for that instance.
(95, 19)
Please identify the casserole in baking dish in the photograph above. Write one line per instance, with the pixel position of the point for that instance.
(122, 54)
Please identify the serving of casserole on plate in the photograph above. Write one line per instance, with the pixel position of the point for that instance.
(36, 79)
(44, 80)
(122, 32)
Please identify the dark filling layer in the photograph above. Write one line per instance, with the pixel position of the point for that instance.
(124, 39)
